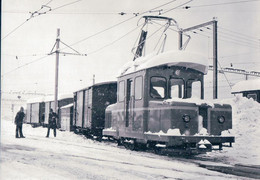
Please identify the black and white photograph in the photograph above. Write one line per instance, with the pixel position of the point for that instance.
(130, 89)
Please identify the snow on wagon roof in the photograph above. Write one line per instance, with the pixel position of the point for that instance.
(67, 106)
(35, 100)
(60, 97)
(170, 58)
(247, 85)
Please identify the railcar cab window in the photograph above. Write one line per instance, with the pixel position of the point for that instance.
(121, 91)
(158, 87)
(193, 88)
(176, 88)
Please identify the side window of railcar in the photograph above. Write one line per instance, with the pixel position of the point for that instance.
(176, 88)
(121, 91)
(193, 89)
(138, 87)
(158, 87)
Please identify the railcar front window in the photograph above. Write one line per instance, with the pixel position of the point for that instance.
(176, 88)
(158, 87)
(193, 89)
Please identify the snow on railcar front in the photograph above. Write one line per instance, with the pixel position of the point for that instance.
(160, 103)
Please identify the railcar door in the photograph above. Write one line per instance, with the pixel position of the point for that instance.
(129, 102)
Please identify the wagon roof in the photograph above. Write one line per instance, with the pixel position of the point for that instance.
(247, 85)
(97, 84)
(36, 100)
(170, 58)
(60, 97)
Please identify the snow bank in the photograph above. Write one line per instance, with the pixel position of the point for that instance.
(170, 58)
(246, 128)
(247, 85)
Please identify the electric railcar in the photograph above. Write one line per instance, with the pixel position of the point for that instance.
(160, 104)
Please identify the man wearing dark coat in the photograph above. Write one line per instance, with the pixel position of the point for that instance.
(19, 123)
(52, 123)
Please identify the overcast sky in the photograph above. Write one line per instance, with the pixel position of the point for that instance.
(30, 41)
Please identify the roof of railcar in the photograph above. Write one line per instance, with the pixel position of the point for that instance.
(171, 58)
(97, 84)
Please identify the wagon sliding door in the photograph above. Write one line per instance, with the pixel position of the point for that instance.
(88, 107)
(79, 109)
(35, 113)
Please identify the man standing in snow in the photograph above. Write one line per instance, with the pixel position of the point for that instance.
(19, 123)
(52, 123)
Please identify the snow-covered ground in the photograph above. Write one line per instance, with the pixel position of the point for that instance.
(71, 156)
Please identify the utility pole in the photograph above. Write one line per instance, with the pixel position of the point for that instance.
(57, 71)
(57, 52)
(215, 51)
(215, 60)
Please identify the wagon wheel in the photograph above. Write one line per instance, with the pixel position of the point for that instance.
(132, 146)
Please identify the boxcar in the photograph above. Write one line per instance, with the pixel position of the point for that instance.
(90, 104)
(160, 103)
(35, 111)
(66, 117)
(63, 100)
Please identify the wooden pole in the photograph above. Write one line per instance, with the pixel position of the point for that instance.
(57, 72)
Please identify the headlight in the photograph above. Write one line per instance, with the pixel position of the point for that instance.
(186, 118)
(221, 119)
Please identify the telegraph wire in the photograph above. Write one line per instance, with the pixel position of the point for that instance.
(240, 34)
(234, 41)
(109, 44)
(223, 35)
(238, 40)
(66, 5)
(225, 76)
(237, 35)
(253, 41)
(219, 4)
(176, 7)
(38, 13)
(14, 30)
(36, 60)
(139, 14)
